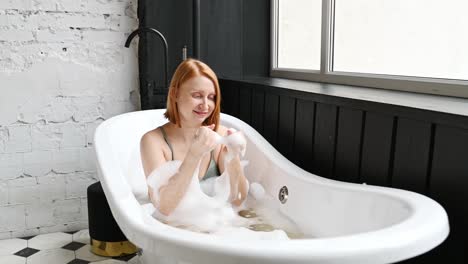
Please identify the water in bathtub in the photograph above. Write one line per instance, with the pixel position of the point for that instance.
(206, 208)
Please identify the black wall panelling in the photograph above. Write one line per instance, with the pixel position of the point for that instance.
(412, 147)
(232, 37)
(286, 123)
(348, 144)
(449, 186)
(358, 141)
(376, 149)
(245, 100)
(174, 20)
(270, 126)
(324, 139)
(221, 36)
(304, 133)
(258, 109)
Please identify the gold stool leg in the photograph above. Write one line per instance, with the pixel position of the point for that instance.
(112, 249)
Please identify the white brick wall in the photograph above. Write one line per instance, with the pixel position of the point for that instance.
(63, 70)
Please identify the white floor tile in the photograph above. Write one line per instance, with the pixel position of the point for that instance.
(52, 256)
(134, 260)
(12, 259)
(81, 236)
(85, 253)
(10, 246)
(50, 241)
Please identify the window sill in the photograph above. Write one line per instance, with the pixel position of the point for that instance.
(437, 103)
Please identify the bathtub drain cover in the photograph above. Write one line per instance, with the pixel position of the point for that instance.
(283, 194)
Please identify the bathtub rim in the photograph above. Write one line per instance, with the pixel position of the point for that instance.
(316, 248)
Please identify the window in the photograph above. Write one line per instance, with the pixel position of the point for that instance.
(411, 45)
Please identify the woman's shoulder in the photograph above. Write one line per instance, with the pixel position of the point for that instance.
(152, 137)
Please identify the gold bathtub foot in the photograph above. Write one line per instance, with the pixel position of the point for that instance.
(112, 249)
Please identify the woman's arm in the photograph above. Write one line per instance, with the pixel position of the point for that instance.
(153, 157)
(238, 181)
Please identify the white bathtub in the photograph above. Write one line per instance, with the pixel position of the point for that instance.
(346, 223)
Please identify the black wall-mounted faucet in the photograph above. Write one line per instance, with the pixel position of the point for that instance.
(163, 39)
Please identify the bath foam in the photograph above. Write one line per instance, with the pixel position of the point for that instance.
(206, 208)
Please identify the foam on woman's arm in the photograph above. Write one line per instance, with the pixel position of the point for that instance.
(160, 177)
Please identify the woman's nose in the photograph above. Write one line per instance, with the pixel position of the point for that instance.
(204, 103)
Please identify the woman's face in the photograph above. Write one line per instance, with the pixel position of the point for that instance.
(196, 99)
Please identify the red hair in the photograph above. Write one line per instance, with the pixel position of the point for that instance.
(188, 69)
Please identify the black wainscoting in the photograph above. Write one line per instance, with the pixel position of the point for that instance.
(359, 141)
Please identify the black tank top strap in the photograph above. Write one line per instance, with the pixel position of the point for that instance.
(167, 141)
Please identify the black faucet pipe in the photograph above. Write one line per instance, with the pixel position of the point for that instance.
(163, 39)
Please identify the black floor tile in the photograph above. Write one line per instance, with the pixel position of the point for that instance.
(72, 232)
(26, 252)
(78, 261)
(73, 246)
(125, 258)
(27, 237)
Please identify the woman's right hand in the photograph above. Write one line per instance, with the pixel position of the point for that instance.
(204, 141)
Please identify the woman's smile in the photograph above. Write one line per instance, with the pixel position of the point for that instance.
(201, 113)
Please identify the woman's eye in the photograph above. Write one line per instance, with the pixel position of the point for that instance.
(196, 95)
(212, 97)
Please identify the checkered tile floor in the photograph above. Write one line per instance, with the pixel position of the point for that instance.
(55, 248)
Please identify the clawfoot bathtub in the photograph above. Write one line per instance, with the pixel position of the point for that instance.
(342, 222)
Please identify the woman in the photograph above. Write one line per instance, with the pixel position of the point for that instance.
(193, 110)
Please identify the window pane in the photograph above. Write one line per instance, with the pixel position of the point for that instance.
(299, 26)
(424, 38)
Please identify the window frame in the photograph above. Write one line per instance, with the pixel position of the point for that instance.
(426, 85)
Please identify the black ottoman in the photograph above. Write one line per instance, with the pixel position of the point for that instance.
(106, 237)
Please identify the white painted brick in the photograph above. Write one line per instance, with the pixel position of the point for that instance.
(123, 23)
(86, 109)
(3, 193)
(67, 227)
(46, 5)
(25, 233)
(71, 5)
(37, 163)
(62, 21)
(113, 108)
(104, 36)
(87, 20)
(23, 190)
(43, 215)
(16, 4)
(52, 187)
(49, 35)
(11, 21)
(66, 160)
(11, 165)
(5, 235)
(90, 129)
(101, 7)
(87, 159)
(15, 35)
(77, 183)
(13, 218)
(19, 139)
(46, 137)
(84, 209)
(59, 110)
(78, 81)
(4, 138)
(53, 229)
(39, 214)
(73, 135)
(69, 61)
(68, 210)
(80, 225)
